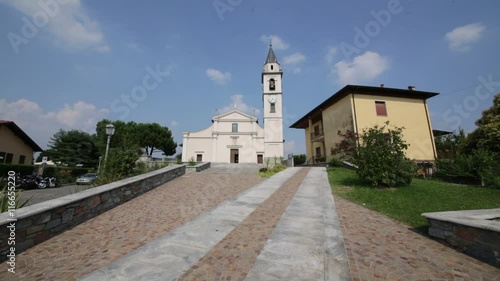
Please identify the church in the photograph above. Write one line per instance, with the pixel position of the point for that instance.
(236, 137)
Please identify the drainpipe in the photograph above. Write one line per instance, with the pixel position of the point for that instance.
(310, 138)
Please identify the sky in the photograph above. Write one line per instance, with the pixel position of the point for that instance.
(67, 64)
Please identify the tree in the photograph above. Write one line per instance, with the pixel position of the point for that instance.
(487, 134)
(381, 157)
(128, 142)
(448, 146)
(148, 136)
(72, 147)
(346, 148)
(154, 136)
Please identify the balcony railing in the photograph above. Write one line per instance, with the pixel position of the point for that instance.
(317, 133)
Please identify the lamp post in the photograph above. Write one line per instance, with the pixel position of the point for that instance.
(110, 130)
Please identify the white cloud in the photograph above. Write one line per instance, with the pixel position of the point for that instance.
(240, 105)
(332, 51)
(278, 43)
(40, 125)
(68, 23)
(218, 77)
(461, 38)
(362, 68)
(174, 123)
(295, 58)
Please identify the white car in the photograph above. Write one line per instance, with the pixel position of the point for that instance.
(86, 179)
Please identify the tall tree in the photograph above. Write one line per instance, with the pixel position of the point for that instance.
(154, 136)
(487, 134)
(72, 147)
(147, 136)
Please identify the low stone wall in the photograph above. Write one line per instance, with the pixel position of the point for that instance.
(37, 223)
(476, 232)
(198, 167)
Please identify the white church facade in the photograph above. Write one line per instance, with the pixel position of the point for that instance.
(236, 137)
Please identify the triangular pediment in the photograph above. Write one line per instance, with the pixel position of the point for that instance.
(234, 115)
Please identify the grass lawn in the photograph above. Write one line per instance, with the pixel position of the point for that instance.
(406, 204)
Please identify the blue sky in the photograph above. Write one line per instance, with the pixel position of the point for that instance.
(68, 63)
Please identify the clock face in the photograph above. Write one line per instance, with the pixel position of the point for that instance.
(272, 99)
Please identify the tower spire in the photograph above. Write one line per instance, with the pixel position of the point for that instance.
(271, 57)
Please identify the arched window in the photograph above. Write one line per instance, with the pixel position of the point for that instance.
(235, 128)
(272, 84)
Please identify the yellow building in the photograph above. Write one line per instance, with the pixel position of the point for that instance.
(16, 147)
(355, 108)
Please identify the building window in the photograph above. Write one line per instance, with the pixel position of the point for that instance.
(317, 131)
(199, 157)
(381, 108)
(272, 84)
(273, 108)
(22, 158)
(235, 128)
(8, 158)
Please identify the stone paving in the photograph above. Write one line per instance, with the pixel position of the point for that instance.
(229, 224)
(111, 235)
(233, 257)
(379, 248)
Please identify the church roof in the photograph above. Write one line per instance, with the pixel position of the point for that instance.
(271, 58)
(242, 115)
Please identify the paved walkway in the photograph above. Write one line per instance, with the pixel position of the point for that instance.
(199, 230)
(226, 223)
(380, 248)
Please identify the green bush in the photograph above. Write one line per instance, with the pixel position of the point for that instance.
(121, 162)
(51, 171)
(299, 159)
(19, 169)
(191, 162)
(178, 158)
(262, 170)
(381, 157)
(335, 162)
(278, 168)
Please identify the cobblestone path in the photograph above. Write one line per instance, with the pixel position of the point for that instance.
(379, 248)
(109, 236)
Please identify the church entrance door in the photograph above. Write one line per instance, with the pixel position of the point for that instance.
(234, 156)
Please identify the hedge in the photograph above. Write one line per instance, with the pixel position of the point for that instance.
(19, 169)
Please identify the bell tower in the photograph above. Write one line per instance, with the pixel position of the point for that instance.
(272, 97)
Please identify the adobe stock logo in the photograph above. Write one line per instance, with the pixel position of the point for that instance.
(223, 6)
(362, 37)
(487, 88)
(139, 93)
(39, 19)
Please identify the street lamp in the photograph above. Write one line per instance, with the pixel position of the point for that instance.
(110, 130)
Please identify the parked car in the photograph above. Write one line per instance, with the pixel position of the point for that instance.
(87, 178)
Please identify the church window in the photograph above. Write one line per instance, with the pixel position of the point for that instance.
(272, 67)
(235, 128)
(273, 108)
(272, 84)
